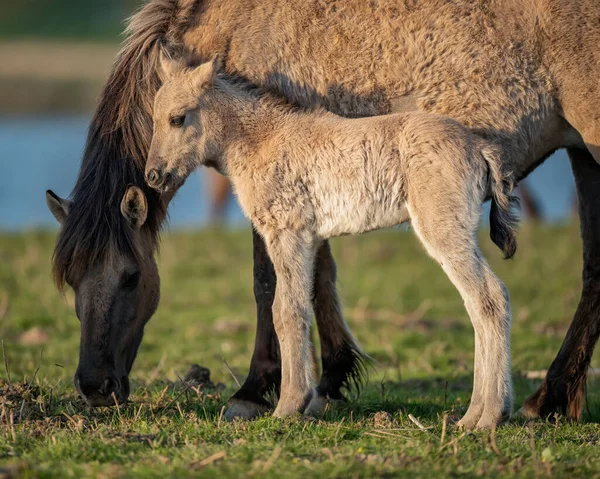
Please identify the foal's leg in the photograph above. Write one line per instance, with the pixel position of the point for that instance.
(447, 227)
(293, 256)
(563, 389)
(265, 367)
(342, 359)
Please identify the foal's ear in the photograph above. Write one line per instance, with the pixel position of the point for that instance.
(134, 206)
(170, 66)
(204, 74)
(57, 206)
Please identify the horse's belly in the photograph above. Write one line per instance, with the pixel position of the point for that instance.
(351, 219)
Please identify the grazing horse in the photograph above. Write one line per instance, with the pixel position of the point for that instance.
(520, 73)
(303, 177)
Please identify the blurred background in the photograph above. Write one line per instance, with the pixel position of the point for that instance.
(54, 58)
(55, 55)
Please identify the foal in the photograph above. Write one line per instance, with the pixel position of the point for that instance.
(304, 176)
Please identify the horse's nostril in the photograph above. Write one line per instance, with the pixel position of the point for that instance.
(107, 387)
(153, 175)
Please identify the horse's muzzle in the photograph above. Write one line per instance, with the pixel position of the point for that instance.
(107, 392)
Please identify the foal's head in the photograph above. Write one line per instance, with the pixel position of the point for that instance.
(187, 124)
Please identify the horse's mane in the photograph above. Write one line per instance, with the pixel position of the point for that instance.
(117, 145)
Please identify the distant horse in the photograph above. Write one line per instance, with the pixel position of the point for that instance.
(303, 177)
(520, 73)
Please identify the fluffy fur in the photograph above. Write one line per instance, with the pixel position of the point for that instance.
(304, 177)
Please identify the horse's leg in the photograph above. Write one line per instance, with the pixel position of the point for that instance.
(563, 389)
(342, 360)
(265, 367)
(293, 257)
(445, 219)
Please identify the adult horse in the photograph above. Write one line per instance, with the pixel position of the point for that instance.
(522, 73)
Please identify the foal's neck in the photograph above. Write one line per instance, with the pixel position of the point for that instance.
(250, 119)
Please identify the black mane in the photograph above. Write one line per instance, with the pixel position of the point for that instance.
(117, 145)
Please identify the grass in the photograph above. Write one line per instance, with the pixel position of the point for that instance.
(401, 307)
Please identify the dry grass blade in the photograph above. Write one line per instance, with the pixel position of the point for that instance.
(274, 455)
(210, 459)
(418, 423)
(231, 372)
(114, 396)
(493, 444)
(454, 441)
(444, 427)
(220, 417)
(532, 442)
(6, 364)
(387, 433)
(337, 431)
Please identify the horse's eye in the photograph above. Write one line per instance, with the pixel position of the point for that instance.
(131, 281)
(177, 121)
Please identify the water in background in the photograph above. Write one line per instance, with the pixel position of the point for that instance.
(44, 153)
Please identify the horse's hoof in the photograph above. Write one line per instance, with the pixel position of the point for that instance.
(320, 404)
(239, 409)
(317, 406)
(526, 413)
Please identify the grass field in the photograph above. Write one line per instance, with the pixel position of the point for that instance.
(402, 309)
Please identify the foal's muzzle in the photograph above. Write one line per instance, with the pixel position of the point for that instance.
(158, 179)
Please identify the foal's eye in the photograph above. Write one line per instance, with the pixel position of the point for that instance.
(177, 121)
(131, 281)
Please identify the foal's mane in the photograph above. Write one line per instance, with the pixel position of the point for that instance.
(117, 144)
(241, 85)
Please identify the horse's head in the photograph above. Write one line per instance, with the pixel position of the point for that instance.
(115, 279)
(187, 125)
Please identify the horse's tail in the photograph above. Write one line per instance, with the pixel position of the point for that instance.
(503, 221)
(128, 97)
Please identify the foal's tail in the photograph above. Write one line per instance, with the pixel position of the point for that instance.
(503, 221)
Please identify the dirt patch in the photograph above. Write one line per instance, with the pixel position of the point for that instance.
(18, 401)
(382, 420)
(199, 377)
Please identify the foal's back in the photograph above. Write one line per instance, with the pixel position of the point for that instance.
(356, 172)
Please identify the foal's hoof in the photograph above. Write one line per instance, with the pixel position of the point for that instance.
(484, 421)
(239, 409)
(287, 408)
(471, 418)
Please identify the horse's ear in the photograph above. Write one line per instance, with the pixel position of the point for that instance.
(204, 74)
(58, 206)
(134, 206)
(169, 65)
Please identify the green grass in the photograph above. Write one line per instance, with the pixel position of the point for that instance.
(401, 307)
